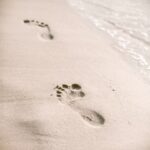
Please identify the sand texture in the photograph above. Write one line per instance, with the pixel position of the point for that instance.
(63, 86)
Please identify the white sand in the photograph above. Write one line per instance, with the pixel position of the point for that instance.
(31, 67)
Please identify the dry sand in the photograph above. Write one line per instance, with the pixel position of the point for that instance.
(112, 115)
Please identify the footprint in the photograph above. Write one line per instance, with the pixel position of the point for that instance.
(45, 36)
(70, 95)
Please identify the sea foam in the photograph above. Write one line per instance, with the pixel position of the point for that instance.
(127, 22)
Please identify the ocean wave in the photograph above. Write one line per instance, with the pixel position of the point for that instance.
(126, 22)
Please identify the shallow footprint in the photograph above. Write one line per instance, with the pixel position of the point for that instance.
(92, 117)
(45, 36)
(70, 95)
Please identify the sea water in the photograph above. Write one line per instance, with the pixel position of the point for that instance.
(127, 22)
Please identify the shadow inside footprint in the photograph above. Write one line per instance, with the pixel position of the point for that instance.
(47, 36)
(26, 21)
(92, 117)
(75, 86)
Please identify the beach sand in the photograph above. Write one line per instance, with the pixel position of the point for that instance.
(72, 92)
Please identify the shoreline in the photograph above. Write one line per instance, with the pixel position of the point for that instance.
(32, 67)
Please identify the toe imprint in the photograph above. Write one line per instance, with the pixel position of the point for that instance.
(69, 93)
(26, 21)
(58, 92)
(65, 86)
(75, 86)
